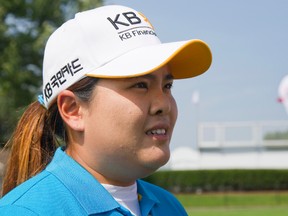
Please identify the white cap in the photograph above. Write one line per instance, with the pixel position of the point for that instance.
(114, 42)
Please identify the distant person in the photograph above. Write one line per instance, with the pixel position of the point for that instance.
(104, 120)
(283, 92)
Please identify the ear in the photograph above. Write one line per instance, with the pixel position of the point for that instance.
(70, 110)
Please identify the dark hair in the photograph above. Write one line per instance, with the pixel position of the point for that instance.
(38, 134)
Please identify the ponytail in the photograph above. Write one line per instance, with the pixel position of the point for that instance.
(37, 136)
(32, 144)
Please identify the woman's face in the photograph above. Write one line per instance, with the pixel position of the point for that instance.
(128, 126)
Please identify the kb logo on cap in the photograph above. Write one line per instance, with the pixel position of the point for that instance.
(128, 19)
(131, 17)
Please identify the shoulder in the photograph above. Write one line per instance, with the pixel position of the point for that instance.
(15, 211)
(16, 200)
(24, 188)
(35, 195)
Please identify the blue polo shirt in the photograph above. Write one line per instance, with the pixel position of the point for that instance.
(66, 188)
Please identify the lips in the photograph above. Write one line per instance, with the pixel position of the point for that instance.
(160, 131)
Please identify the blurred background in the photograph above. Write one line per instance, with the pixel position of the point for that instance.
(233, 117)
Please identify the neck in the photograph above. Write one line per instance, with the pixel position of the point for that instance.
(100, 177)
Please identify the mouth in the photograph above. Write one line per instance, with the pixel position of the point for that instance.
(160, 131)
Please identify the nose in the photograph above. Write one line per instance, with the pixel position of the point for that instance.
(161, 103)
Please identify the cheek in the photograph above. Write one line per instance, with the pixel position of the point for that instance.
(125, 113)
(115, 118)
(174, 110)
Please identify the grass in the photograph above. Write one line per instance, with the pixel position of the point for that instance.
(233, 211)
(236, 204)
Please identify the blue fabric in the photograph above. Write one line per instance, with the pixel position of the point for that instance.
(66, 188)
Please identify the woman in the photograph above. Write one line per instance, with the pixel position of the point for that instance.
(104, 121)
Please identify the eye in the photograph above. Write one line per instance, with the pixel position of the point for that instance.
(141, 85)
(169, 85)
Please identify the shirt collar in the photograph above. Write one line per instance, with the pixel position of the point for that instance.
(147, 199)
(95, 198)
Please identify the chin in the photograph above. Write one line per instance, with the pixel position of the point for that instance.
(150, 169)
(159, 161)
(154, 158)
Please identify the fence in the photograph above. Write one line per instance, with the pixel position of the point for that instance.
(260, 135)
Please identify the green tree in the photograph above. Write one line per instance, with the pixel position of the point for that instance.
(25, 26)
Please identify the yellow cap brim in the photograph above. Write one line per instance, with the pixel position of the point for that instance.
(185, 59)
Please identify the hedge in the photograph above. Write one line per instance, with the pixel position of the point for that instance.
(220, 180)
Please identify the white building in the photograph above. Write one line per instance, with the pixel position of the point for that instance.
(236, 145)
